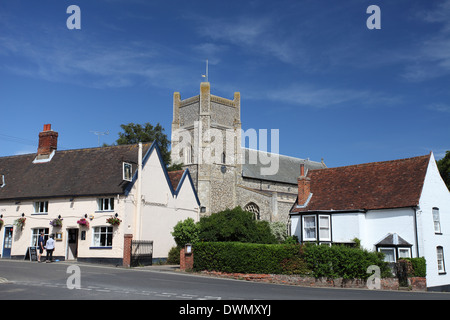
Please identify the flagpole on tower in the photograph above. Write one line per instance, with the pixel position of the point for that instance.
(206, 75)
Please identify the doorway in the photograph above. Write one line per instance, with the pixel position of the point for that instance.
(72, 244)
(7, 242)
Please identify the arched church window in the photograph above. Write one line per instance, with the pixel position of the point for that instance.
(223, 157)
(253, 208)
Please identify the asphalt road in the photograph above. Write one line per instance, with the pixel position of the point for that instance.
(20, 280)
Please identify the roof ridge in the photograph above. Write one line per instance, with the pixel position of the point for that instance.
(281, 155)
(377, 162)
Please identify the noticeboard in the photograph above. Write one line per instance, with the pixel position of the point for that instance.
(31, 254)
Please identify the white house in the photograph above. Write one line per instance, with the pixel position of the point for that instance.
(91, 186)
(399, 207)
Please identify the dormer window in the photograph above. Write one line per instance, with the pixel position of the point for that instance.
(105, 204)
(127, 171)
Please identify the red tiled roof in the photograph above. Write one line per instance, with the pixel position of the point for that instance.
(175, 177)
(376, 185)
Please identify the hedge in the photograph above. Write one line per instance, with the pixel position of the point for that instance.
(243, 257)
(316, 260)
(340, 261)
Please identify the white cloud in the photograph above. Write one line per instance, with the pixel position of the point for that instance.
(322, 97)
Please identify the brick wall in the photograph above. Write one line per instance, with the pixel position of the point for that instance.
(416, 283)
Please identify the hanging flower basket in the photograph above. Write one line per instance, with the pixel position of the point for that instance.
(1, 223)
(113, 221)
(56, 222)
(83, 222)
(19, 223)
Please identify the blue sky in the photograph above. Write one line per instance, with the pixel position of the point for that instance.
(312, 69)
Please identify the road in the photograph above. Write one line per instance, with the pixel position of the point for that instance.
(31, 280)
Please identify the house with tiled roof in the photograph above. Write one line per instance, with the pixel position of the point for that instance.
(73, 194)
(399, 207)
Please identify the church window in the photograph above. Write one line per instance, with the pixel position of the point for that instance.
(253, 208)
(223, 157)
(188, 155)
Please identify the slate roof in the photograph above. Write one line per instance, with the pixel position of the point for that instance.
(393, 239)
(288, 171)
(80, 172)
(376, 185)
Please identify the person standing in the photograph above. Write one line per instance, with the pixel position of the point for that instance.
(41, 244)
(50, 246)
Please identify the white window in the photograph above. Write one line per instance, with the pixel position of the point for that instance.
(127, 171)
(105, 204)
(41, 207)
(436, 220)
(324, 228)
(389, 254)
(35, 235)
(404, 253)
(103, 236)
(440, 259)
(309, 228)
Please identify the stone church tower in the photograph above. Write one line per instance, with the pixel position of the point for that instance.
(210, 129)
(206, 138)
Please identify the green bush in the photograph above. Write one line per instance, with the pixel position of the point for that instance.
(419, 266)
(185, 232)
(174, 256)
(342, 261)
(234, 225)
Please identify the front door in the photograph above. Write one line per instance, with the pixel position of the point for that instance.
(7, 242)
(72, 244)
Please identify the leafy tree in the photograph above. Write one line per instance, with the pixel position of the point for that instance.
(235, 225)
(135, 133)
(444, 168)
(185, 232)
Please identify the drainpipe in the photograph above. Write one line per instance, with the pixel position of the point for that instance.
(139, 194)
(416, 230)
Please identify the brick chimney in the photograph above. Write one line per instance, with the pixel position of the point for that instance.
(303, 186)
(48, 140)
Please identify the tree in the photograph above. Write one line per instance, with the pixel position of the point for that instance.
(185, 232)
(444, 168)
(234, 225)
(135, 133)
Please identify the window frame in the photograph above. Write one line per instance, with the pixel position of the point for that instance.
(101, 204)
(127, 171)
(322, 228)
(35, 233)
(304, 233)
(436, 222)
(108, 237)
(40, 205)
(441, 270)
(381, 249)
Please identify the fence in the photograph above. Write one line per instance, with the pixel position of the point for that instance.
(141, 253)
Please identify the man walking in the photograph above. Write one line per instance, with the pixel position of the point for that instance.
(50, 246)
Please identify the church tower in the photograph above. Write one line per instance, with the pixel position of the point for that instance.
(206, 138)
